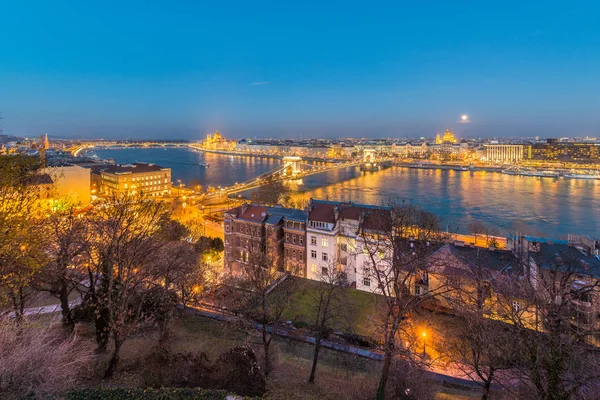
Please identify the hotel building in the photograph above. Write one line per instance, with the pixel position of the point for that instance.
(150, 179)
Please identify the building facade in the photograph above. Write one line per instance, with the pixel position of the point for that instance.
(552, 151)
(503, 153)
(275, 235)
(216, 141)
(149, 179)
(72, 183)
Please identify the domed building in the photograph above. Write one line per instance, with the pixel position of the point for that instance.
(448, 137)
(217, 142)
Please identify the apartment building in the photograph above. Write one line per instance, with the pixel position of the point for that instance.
(337, 236)
(150, 179)
(274, 234)
(568, 271)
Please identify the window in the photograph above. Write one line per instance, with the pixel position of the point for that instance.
(226, 227)
(324, 271)
(366, 277)
(344, 247)
(301, 256)
(325, 242)
(517, 306)
(417, 290)
(301, 240)
(293, 254)
(294, 239)
(313, 240)
(313, 254)
(287, 237)
(325, 257)
(313, 267)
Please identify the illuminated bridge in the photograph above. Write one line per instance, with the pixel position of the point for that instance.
(75, 150)
(293, 168)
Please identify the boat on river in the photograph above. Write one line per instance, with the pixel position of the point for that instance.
(582, 176)
(530, 172)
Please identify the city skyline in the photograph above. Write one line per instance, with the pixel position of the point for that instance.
(288, 71)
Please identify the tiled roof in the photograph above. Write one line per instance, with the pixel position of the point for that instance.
(253, 213)
(291, 214)
(322, 211)
(451, 260)
(41, 179)
(133, 168)
(274, 219)
(561, 256)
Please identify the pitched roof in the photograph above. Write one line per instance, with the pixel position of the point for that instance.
(457, 261)
(561, 256)
(291, 214)
(41, 179)
(134, 168)
(322, 211)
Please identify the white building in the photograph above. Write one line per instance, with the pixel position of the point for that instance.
(335, 236)
(503, 153)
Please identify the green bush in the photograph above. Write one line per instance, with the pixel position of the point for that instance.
(146, 394)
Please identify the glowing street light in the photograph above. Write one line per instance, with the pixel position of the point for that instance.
(424, 334)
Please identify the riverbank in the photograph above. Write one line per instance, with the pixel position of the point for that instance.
(273, 156)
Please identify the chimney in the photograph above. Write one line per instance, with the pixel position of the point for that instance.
(244, 207)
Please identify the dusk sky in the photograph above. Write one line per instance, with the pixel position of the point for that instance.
(179, 69)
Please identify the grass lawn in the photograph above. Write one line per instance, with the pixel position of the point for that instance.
(358, 318)
(339, 375)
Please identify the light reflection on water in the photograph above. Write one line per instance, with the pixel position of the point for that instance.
(553, 207)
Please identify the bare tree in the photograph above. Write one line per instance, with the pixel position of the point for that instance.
(22, 208)
(554, 325)
(67, 232)
(274, 191)
(328, 304)
(253, 297)
(396, 242)
(126, 240)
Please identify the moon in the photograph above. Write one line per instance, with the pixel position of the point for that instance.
(464, 117)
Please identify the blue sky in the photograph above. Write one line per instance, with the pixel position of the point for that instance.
(313, 69)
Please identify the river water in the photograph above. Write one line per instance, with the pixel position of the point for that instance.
(537, 206)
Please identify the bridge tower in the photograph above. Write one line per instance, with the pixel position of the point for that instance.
(368, 155)
(291, 165)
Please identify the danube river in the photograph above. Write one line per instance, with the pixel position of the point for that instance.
(536, 206)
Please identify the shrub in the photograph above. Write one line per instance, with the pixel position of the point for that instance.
(40, 360)
(146, 394)
(162, 368)
(238, 370)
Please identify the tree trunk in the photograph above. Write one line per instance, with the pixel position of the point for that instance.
(266, 343)
(67, 318)
(486, 390)
(385, 372)
(315, 358)
(114, 360)
(18, 307)
(387, 360)
(101, 324)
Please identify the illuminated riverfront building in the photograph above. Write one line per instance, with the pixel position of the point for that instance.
(218, 142)
(583, 153)
(150, 179)
(503, 153)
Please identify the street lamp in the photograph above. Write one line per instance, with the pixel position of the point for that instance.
(424, 334)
